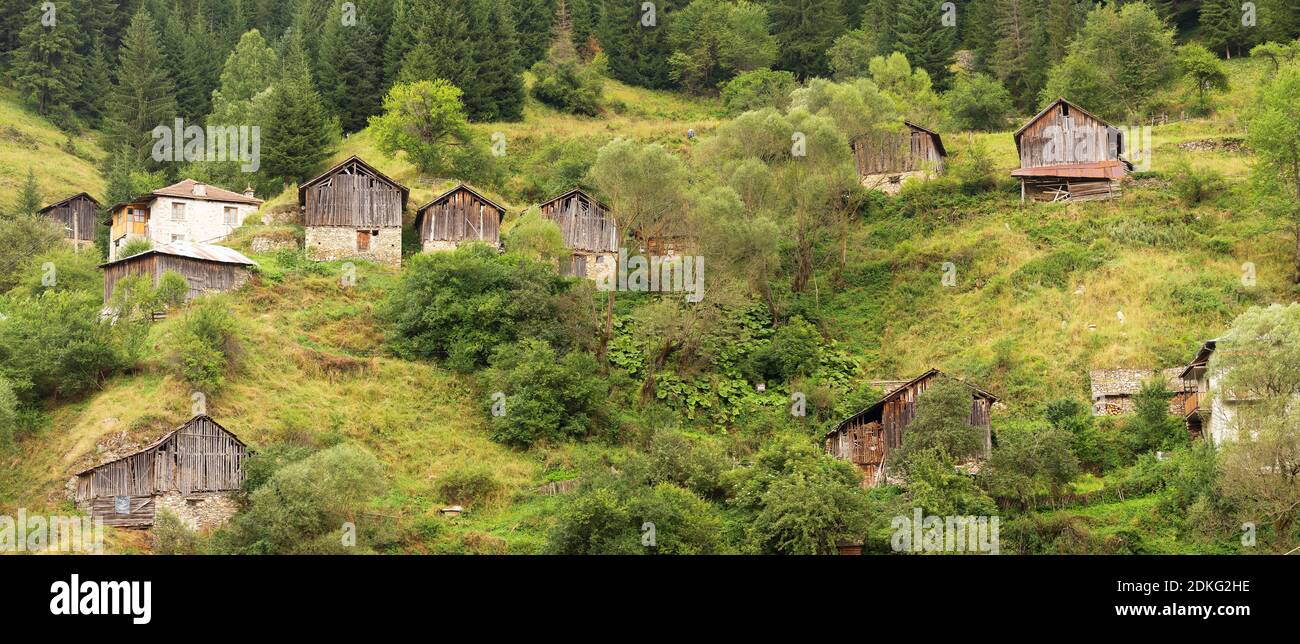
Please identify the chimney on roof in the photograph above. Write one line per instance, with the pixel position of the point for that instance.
(248, 192)
(200, 190)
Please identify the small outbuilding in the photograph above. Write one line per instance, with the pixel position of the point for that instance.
(868, 437)
(1067, 154)
(190, 471)
(457, 216)
(589, 232)
(886, 160)
(77, 214)
(353, 211)
(1113, 390)
(207, 268)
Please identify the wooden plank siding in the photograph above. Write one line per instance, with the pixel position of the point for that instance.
(867, 438)
(1061, 135)
(460, 215)
(203, 276)
(200, 456)
(584, 222)
(78, 216)
(353, 195)
(911, 150)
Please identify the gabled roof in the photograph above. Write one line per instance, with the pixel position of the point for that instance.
(901, 388)
(566, 195)
(938, 140)
(468, 189)
(64, 201)
(185, 190)
(302, 189)
(1047, 109)
(1202, 356)
(191, 250)
(164, 439)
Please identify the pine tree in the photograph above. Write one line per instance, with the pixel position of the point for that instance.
(1012, 59)
(535, 25)
(249, 71)
(1221, 25)
(144, 96)
(924, 39)
(805, 29)
(46, 66)
(498, 63)
(349, 55)
(300, 135)
(29, 196)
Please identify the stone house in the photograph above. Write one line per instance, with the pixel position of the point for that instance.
(353, 211)
(188, 211)
(191, 471)
(1113, 389)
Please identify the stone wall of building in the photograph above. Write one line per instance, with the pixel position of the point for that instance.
(600, 266)
(438, 245)
(199, 511)
(329, 243)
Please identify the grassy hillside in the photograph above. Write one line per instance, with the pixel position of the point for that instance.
(65, 164)
(1043, 294)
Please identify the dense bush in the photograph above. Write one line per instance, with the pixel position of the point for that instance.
(795, 349)
(618, 516)
(303, 507)
(55, 344)
(61, 269)
(942, 422)
(1152, 427)
(171, 537)
(205, 343)
(463, 304)
(757, 89)
(695, 464)
(568, 86)
(1028, 460)
(133, 247)
(1195, 185)
(979, 102)
(469, 486)
(21, 238)
(8, 413)
(548, 398)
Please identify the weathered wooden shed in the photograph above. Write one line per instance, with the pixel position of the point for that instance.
(589, 232)
(77, 214)
(208, 268)
(353, 211)
(867, 437)
(459, 215)
(185, 466)
(1067, 154)
(885, 160)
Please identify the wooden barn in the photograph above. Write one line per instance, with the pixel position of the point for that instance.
(1067, 154)
(208, 268)
(353, 211)
(181, 471)
(884, 161)
(867, 437)
(459, 215)
(77, 214)
(589, 232)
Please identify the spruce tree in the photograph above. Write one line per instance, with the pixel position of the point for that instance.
(299, 135)
(144, 95)
(534, 21)
(46, 66)
(805, 29)
(924, 39)
(349, 56)
(1221, 25)
(498, 63)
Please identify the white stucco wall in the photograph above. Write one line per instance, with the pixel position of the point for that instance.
(205, 222)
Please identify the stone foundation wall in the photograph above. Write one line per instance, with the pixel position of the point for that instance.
(892, 183)
(600, 266)
(329, 243)
(438, 245)
(199, 511)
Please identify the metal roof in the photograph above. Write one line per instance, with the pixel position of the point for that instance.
(191, 250)
(1109, 169)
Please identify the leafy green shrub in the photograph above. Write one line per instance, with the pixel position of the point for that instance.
(55, 344)
(975, 169)
(8, 413)
(463, 304)
(206, 343)
(1152, 427)
(303, 507)
(568, 86)
(795, 349)
(979, 102)
(622, 518)
(21, 238)
(1195, 185)
(548, 398)
(133, 247)
(757, 89)
(266, 461)
(697, 465)
(171, 537)
(942, 422)
(71, 271)
(469, 486)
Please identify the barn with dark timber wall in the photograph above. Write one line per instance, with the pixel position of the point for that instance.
(353, 211)
(192, 466)
(589, 233)
(884, 160)
(207, 268)
(457, 216)
(78, 215)
(868, 437)
(1067, 154)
